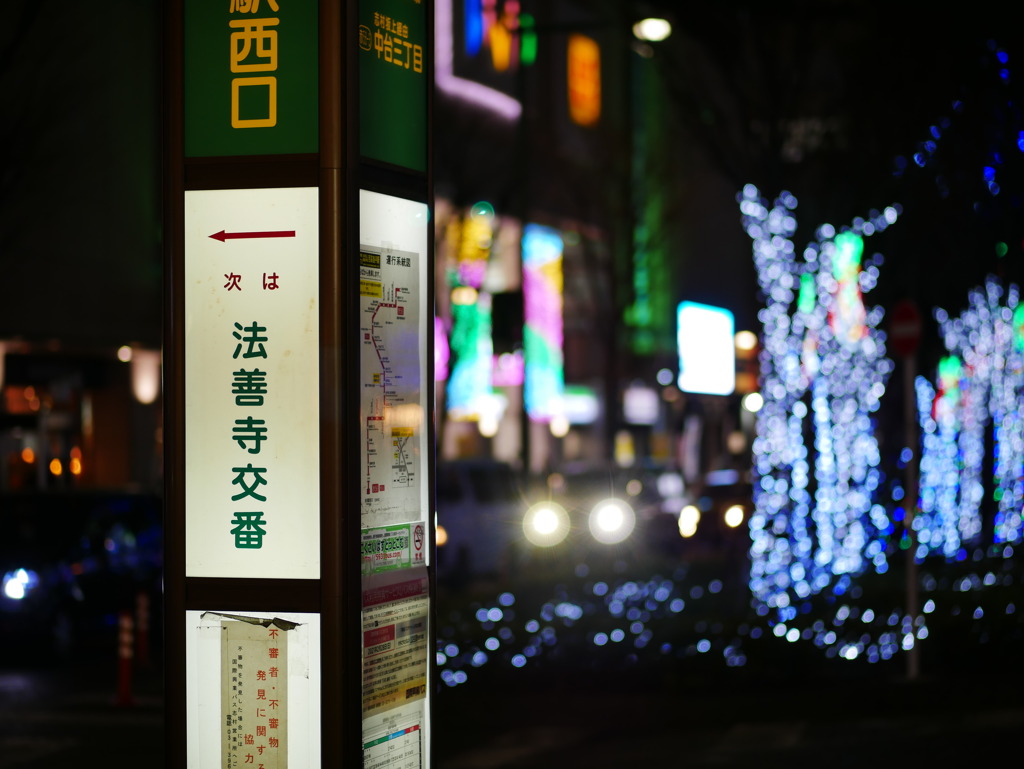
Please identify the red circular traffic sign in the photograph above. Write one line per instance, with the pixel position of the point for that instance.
(905, 328)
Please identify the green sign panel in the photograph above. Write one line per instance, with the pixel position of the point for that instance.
(250, 77)
(393, 82)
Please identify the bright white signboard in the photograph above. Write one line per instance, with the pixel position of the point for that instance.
(707, 354)
(252, 473)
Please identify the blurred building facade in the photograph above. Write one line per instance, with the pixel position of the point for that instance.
(81, 248)
(552, 129)
(567, 202)
(83, 420)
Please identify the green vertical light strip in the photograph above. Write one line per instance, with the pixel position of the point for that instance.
(650, 315)
(527, 39)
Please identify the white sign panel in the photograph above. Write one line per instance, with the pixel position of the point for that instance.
(395, 618)
(395, 511)
(252, 474)
(393, 366)
(253, 689)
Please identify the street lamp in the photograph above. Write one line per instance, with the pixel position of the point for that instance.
(652, 30)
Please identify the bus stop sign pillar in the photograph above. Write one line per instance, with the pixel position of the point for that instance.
(299, 457)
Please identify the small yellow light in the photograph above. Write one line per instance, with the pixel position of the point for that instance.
(559, 426)
(734, 516)
(28, 456)
(464, 296)
(689, 517)
(56, 468)
(75, 466)
(441, 536)
(745, 340)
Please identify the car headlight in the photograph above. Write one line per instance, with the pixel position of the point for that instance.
(546, 524)
(734, 516)
(19, 583)
(611, 521)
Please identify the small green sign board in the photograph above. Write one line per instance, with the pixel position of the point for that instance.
(393, 82)
(250, 84)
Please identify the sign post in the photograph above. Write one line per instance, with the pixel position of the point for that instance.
(905, 336)
(298, 427)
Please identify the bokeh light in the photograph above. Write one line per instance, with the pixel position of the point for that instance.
(823, 373)
(975, 401)
(611, 521)
(733, 516)
(689, 517)
(546, 524)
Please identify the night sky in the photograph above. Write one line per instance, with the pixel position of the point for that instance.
(822, 99)
(853, 106)
(80, 186)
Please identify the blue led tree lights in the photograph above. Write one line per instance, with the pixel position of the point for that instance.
(824, 370)
(978, 392)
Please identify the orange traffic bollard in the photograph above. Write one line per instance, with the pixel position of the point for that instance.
(142, 629)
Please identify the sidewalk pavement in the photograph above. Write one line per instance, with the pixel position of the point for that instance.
(80, 715)
(73, 716)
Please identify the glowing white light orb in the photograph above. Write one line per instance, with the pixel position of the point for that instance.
(611, 521)
(652, 30)
(753, 402)
(546, 524)
(14, 589)
(18, 583)
(488, 425)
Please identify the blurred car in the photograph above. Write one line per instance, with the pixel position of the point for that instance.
(70, 563)
(480, 504)
(719, 512)
(608, 505)
(718, 508)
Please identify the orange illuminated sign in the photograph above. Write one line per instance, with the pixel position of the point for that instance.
(584, 75)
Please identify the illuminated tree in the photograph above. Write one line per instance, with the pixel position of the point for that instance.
(979, 384)
(823, 370)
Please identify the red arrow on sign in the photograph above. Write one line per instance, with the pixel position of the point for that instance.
(223, 236)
